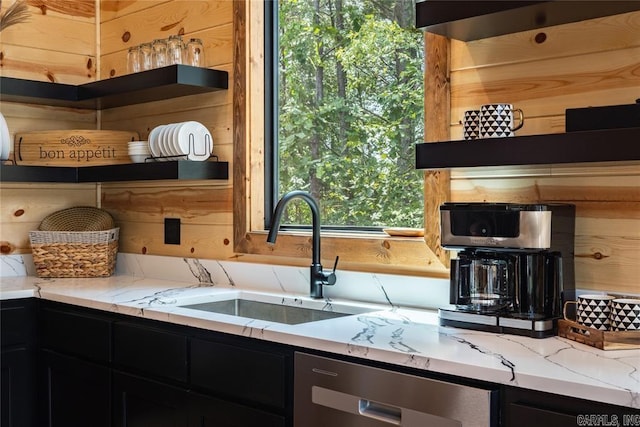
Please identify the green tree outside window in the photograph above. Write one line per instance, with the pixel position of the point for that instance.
(351, 110)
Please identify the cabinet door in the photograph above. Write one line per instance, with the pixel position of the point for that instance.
(17, 378)
(17, 389)
(75, 332)
(529, 408)
(73, 392)
(528, 416)
(17, 319)
(241, 373)
(207, 411)
(150, 351)
(139, 402)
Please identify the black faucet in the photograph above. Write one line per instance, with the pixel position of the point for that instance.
(318, 277)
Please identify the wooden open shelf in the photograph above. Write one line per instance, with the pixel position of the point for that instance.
(176, 170)
(152, 85)
(478, 19)
(608, 145)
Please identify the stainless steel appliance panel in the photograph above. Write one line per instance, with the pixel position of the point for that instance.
(329, 392)
(534, 233)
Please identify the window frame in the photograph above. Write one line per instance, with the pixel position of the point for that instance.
(359, 251)
(271, 121)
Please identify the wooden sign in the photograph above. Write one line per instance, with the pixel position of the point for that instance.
(76, 147)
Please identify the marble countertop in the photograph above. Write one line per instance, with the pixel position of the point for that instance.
(394, 335)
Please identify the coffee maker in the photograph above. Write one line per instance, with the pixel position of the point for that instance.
(514, 268)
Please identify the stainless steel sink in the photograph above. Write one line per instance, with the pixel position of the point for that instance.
(273, 312)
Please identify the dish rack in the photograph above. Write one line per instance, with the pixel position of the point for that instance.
(192, 151)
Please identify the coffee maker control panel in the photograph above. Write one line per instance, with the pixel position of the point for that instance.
(495, 225)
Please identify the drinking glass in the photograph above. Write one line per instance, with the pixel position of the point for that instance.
(175, 46)
(133, 59)
(146, 62)
(159, 57)
(195, 53)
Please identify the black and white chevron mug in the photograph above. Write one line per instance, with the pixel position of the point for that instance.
(497, 120)
(471, 124)
(625, 314)
(592, 311)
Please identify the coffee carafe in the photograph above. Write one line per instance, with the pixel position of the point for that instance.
(482, 281)
(514, 266)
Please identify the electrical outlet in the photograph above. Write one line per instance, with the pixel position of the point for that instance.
(172, 231)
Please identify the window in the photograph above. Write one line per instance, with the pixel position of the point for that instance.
(346, 111)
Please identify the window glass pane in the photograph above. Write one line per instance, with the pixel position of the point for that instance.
(350, 110)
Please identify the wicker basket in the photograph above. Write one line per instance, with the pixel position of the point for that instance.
(79, 218)
(80, 241)
(74, 253)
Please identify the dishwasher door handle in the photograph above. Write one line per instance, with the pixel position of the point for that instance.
(380, 411)
(356, 405)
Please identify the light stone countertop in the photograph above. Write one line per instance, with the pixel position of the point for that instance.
(405, 337)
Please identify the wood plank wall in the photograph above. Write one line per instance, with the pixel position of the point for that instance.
(543, 72)
(39, 50)
(204, 207)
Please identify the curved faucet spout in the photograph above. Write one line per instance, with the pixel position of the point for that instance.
(318, 277)
(315, 218)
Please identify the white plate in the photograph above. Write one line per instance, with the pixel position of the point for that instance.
(5, 139)
(195, 141)
(162, 141)
(154, 146)
(172, 139)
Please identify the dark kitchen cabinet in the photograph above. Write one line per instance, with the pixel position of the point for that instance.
(17, 388)
(73, 392)
(17, 363)
(150, 350)
(105, 369)
(206, 411)
(242, 373)
(74, 377)
(140, 402)
(528, 408)
(169, 375)
(76, 332)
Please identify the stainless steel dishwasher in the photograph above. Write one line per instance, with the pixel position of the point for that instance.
(332, 393)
